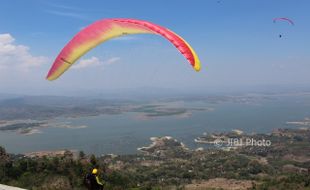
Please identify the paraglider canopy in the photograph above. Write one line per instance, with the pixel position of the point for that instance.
(106, 29)
(283, 19)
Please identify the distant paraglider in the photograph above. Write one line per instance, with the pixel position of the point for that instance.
(106, 29)
(283, 19)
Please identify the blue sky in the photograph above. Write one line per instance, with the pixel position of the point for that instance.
(236, 40)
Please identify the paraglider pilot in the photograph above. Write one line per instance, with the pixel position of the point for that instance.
(92, 180)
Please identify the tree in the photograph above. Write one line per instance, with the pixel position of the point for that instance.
(3, 163)
(93, 160)
(2, 152)
(81, 155)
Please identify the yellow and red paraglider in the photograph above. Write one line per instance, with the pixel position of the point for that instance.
(106, 29)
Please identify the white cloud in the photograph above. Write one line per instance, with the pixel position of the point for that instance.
(67, 14)
(112, 60)
(94, 62)
(16, 56)
(91, 62)
(64, 7)
(6, 46)
(6, 38)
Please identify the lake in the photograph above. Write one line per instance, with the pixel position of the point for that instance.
(124, 133)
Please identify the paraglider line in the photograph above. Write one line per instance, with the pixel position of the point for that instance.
(66, 61)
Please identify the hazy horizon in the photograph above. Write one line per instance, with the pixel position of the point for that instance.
(161, 91)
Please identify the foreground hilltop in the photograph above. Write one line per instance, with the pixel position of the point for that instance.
(168, 164)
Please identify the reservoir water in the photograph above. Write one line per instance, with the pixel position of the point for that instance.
(124, 133)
